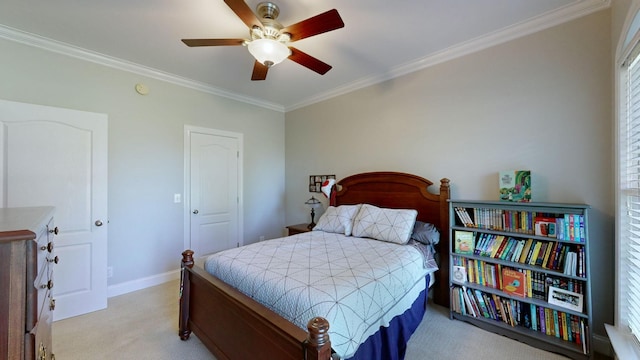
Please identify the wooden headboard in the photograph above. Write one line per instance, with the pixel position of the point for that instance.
(404, 191)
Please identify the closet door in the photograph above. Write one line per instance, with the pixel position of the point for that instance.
(214, 192)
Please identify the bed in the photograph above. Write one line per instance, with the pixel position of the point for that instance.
(233, 325)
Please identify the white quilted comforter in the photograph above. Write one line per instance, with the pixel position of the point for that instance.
(357, 284)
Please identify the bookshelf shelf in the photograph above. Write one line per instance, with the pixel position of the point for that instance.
(522, 270)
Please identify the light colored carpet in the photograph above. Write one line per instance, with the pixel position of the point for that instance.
(136, 326)
(144, 325)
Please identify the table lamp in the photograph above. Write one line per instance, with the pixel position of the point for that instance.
(313, 203)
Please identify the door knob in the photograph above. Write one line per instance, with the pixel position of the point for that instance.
(195, 211)
(98, 223)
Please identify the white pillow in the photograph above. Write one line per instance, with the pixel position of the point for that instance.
(338, 219)
(391, 225)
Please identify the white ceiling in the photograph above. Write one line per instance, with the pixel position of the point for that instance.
(380, 39)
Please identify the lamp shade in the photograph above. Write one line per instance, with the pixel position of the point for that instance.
(269, 52)
(313, 202)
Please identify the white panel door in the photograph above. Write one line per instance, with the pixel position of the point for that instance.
(214, 192)
(58, 157)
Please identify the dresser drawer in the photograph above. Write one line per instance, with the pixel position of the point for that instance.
(38, 340)
(43, 273)
(44, 286)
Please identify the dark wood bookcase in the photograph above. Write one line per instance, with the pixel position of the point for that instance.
(554, 313)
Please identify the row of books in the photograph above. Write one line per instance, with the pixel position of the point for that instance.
(562, 325)
(497, 219)
(552, 255)
(569, 227)
(541, 283)
(476, 303)
(520, 282)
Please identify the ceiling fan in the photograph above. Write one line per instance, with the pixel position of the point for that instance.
(269, 43)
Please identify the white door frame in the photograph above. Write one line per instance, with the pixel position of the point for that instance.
(188, 130)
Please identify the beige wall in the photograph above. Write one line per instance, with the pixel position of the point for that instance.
(146, 151)
(542, 102)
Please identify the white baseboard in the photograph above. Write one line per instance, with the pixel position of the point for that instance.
(143, 283)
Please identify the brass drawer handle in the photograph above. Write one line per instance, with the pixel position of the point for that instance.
(54, 260)
(54, 231)
(48, 247)
(48, 285)
(42, 352)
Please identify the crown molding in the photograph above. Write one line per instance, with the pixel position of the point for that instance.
(119, 64)
(577, 9)
(564, 14)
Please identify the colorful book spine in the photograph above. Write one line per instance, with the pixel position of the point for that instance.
(467, 301)
(556, 258)
(556, 324)
(548, 318)
(560, 229)
(483, 306)
(552, 255)
(503, 244)
(545, 251)
(563, 322)
(525, 250)
(534, 317)
(543, 321)
(508, 249)
(536, 251)
(463, 216)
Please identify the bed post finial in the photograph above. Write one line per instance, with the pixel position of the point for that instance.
(187, 258)
(444, 186)
(318, 344)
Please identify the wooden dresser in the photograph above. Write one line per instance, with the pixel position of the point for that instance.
(26, 278)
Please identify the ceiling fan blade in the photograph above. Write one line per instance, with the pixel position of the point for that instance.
(212, 42)
(259, 71)
(318, 24)
(244, 13)
(309, 61)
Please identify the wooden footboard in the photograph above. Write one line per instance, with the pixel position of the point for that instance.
(234, 326)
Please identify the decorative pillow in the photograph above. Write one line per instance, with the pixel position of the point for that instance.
(338, 219)
(425, 233)
(326, 187)
(391, 225)
(430, 262)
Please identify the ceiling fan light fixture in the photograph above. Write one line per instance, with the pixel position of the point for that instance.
(269, 52)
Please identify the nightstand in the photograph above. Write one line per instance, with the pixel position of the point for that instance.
(298, 228)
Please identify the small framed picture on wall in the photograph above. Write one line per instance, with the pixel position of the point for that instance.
(315, 182)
